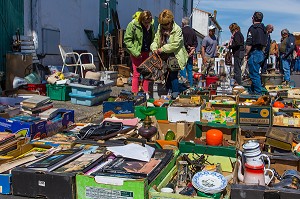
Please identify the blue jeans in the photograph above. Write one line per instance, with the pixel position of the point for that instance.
(172, 83)
(255, 62)
(286, 67)
(297, 64)
(189, 70)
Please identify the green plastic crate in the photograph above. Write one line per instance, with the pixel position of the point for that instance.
(59, 92)
(229, 132)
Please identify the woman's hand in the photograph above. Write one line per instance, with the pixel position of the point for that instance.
(158, 51)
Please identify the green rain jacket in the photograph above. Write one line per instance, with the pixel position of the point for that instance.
(133, 37)
(175, 45)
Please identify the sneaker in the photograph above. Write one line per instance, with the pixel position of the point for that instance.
(147, 96)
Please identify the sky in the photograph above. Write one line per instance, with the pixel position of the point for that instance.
(280, 13)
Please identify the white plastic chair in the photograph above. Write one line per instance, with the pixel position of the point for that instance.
(67, 55)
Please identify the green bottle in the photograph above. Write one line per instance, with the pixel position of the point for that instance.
(170, 135)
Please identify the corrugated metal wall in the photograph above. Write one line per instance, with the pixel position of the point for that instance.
(11, 19)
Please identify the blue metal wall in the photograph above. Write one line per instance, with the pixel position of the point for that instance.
(11, 19)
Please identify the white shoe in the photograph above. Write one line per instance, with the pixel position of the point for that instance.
(147, 96)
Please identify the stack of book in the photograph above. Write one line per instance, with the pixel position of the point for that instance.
(8, 142)
(36, 104)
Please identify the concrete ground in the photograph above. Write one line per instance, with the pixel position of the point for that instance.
(88, 113)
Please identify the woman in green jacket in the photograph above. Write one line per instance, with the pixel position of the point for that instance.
(138, 38)
(168, 42)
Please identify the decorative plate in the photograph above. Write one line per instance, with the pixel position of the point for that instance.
(209, 182)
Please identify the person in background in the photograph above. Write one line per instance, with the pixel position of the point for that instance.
(274, 54)
(270, 29)
(286, 50)
(168, 42)
(255, 43)
(138, 38)
(209, 51)
(190, 43)
(236, 43)
(297, 62)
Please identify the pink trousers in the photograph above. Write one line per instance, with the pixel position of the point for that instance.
(136, 61)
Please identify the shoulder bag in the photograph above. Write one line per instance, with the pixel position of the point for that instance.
(152, 68)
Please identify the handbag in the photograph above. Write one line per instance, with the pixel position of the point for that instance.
(172, 64)
(152, 68)
(228, 58)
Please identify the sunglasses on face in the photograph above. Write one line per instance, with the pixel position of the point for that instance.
(164, 26)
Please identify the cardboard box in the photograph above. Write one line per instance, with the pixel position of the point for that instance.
(280, 164)
(119, 107)
(188, 145)
(219, 116)
(123, 107)
(254, 115)
(180, 129)
(5, 178)
(281, 120)
(247, 133)
(54, 126)
(124, 70)
(34, 130)
(33, 183)
(87, 186)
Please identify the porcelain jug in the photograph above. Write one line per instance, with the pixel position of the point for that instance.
(251, 152)
(255, 173)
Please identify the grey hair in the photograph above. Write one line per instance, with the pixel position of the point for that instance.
(285, 31)
(185, 20)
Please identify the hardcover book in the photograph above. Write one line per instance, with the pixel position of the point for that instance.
(35, 101)
(56, 160)
(129, 168)
(81, 164)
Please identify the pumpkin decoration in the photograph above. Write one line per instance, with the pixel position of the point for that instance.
(214, 137)
(278, 104)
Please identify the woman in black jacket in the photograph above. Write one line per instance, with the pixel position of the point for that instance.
(237, 45)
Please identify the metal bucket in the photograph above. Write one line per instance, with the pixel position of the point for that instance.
(272, 79)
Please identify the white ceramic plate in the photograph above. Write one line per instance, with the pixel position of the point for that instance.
(209, 182)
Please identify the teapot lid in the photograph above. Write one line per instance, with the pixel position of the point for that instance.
(250, 145)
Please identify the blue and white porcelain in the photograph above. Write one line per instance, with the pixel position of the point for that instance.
(209, 182)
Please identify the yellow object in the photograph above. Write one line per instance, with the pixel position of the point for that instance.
(60, 75)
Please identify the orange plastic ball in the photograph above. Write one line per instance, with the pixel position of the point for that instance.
(214, 137)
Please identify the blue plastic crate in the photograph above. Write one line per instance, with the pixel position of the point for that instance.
(80, 89)
(89, 100)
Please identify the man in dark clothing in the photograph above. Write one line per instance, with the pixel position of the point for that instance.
(270, 29)
(255, 44)
(190, 43)
(237, 45)
(286, 50)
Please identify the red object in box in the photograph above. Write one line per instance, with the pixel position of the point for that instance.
(37, 87)
(211, 80)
